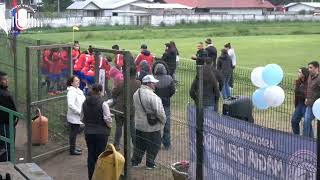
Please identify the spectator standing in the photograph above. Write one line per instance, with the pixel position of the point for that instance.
(165, 89)
(210, 88)
(212, 53)
(97, 119)
(299, 99)
(75, 98)
(173, 44)
(6, 101)
(201, 56)
(144, 70)
(313, 93)
(148, 137)
(169, 57)
(119, 94)
(233, 57)
(145, 55)
(224, 65)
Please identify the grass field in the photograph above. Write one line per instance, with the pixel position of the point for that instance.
(291, 45)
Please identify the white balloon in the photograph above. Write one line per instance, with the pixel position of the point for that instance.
(316, 109)
(256, 77)
(274, 96)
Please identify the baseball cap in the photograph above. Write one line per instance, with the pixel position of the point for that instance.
(149, 79)
(144, 46)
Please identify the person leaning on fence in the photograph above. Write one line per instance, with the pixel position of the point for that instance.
(97, 119)
(313, 93)
(6, 101)
(224, 65)
(75, 98)
(299, 99)
(119, 94)
(201, 56)
(148, 135)
(165, 89)
(210, 88)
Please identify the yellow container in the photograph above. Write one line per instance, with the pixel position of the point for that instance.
(109, 165)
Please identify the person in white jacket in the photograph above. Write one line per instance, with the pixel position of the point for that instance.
(75, 99)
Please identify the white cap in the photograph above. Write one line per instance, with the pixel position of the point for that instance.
(149, 79)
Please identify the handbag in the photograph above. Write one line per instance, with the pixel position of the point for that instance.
(152, 119)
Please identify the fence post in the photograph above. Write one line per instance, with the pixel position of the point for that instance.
(39, 72)
(318, 150)
(127, 130)
(200, 120)
(29, 91)
(15, 67)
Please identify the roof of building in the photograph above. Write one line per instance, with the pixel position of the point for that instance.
(161, 6)
(102, 4)
(224, 3)
(311, 4)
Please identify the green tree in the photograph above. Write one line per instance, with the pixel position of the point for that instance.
(52, 5)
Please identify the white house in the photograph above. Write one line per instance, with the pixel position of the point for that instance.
(303, 6)
(99, 8)
(162, 9)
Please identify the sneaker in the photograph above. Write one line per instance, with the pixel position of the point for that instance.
(151, 167)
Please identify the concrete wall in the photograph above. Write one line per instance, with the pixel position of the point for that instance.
(237, 11)
(169, 20)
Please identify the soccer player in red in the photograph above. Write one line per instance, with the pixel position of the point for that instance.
(144, 55)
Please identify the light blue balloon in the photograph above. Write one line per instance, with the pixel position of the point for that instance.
(272, 74)
(258, 100)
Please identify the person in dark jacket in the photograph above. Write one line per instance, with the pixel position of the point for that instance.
(119, 93)
(210, 88)
(218, 75)
(97, 119)
(165, 89)
(313, 93)
(6, 101)
(144, 70)
(212, 53)
(224, 65)
(169, 56)
(299, 93)
(201, 56)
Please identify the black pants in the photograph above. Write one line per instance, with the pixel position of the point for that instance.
(96, 144)
(74, 130)
(120, 120)
(148, 142)
(4, 147)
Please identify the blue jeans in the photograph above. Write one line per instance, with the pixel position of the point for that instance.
(166, 130)
(226, 88)
(307, 124)
(298, 114)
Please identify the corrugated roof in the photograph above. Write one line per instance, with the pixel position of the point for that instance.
(161, 6)
(311, 4)
(102, 4)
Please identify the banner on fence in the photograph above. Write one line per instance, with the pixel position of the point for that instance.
(234, 149)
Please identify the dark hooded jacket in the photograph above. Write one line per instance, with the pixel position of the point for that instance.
(210, 87)
(170, 58)
(93, 116)
(165, 88)
(212, 55)
(144, 70)
(224, 65)
(6, 101)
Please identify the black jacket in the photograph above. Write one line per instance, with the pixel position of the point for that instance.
(93, 116)
(202, 56)
(6, 100)
(212, 55)
(165, 88)
(145, 70)
(219, 77)
(170, 58)
(210, 88)
(225, 65)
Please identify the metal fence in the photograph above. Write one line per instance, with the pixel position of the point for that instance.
(278, 119)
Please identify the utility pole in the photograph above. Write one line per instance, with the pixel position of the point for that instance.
(58, 6)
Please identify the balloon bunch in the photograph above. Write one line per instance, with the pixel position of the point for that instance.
(316, 109)
(266, 79)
